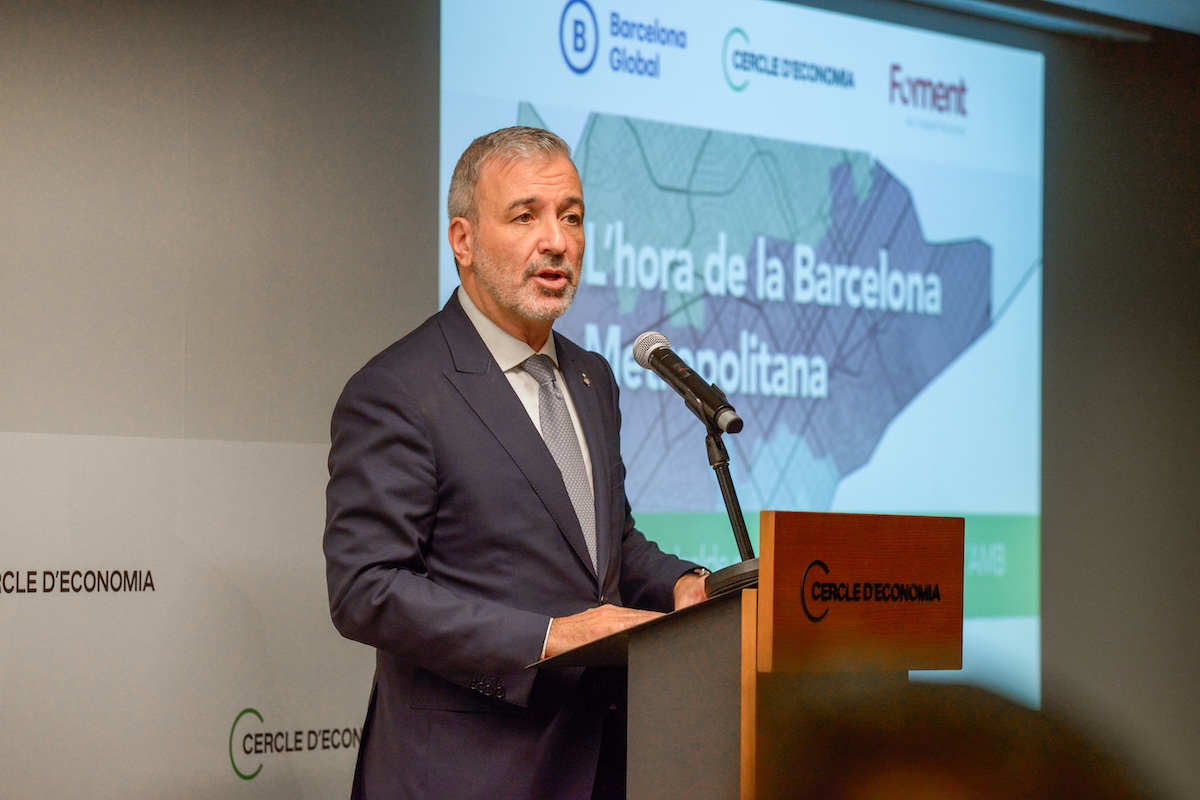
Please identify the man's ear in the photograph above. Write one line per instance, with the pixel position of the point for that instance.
(462, 242)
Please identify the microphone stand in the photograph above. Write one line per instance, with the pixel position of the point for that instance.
(743, 574)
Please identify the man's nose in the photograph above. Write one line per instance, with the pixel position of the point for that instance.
(554, 237)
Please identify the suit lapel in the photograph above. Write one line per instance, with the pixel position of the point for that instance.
(478, 378)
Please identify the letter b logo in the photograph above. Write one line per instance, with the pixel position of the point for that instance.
(578, 36)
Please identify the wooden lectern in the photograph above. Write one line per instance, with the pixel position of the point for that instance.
(716, 691)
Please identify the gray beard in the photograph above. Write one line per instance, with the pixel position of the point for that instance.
(522, 300)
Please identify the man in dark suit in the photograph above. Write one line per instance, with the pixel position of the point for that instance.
(477, 518)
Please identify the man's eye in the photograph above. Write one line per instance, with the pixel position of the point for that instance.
(526, 217)
(572, 219)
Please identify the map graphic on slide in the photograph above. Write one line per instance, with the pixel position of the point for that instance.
(795, 277)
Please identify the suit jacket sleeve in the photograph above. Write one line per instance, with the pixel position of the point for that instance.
(382, 501)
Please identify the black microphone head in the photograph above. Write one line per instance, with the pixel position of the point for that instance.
(647, 343)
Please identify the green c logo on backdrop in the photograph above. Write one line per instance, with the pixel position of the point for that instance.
(241, 774)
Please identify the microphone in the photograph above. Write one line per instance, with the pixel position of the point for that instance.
(652, 351)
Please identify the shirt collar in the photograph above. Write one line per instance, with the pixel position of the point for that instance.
(509, 351)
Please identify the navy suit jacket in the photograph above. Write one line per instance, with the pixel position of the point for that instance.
(450, 542)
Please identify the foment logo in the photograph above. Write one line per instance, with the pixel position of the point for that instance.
(578, 36)
(925, 93)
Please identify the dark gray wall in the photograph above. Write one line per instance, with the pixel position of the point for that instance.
(1121, 427)
(213, 213)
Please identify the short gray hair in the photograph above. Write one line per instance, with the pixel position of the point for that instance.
(506, 145)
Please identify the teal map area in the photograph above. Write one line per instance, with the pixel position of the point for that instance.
(796, 277)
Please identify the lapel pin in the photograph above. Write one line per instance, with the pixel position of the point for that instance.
(586, 381)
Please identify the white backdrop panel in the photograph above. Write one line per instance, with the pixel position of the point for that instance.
(128, 693)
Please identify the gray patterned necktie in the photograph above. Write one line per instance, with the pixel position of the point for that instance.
(559, 434)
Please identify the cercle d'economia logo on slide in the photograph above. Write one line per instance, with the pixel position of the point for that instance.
(742, 61)
(632, 46)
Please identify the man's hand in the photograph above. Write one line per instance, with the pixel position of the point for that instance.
(567, 633)
(689, 590)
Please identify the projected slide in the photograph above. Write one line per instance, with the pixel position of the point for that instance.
(814, 304)
(836, 221)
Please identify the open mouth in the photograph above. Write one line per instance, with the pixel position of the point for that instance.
(552, 279)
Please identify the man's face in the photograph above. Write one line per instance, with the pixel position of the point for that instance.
(526, 249)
